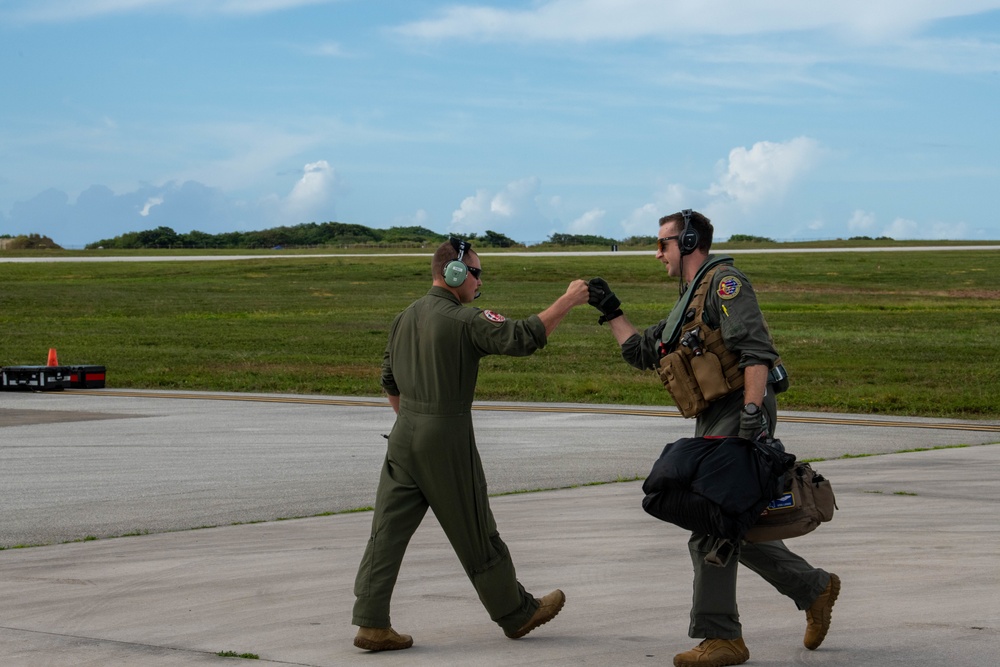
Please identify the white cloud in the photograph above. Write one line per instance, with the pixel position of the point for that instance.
(642, 221)
(313, 192)
(861, 222)
(902, 228)
(513, 209)
(751, 181)
(764, 172)
(584, 20)
(150, 203)
(588, 223)
(182, 206)
(470, 212)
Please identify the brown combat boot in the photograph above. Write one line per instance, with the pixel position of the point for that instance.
(381, 639)
(819, 613)
(548, 607)
(714, 653)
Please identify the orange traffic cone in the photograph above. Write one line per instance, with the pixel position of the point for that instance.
(53, 360)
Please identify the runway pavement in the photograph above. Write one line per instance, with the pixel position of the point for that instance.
(914, 539)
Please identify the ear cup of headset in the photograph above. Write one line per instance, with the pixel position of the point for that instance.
(688, 241)
(689, 237)
(455, 273)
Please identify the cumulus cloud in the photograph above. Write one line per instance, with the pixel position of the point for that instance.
(902, 228)
(588, 223)
(584, 20)
(750, 180)
(861, 222)
(182, 206)
(513, 211)
(764, 172)
(313, 192)
(642, 221)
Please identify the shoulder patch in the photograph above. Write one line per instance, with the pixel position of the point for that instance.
(494, 317)
(729, 287)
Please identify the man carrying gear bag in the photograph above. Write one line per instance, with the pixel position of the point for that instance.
(715, 355)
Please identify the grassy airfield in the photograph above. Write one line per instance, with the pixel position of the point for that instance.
(896, 333)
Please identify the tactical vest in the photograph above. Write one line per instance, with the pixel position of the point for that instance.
(697, 367)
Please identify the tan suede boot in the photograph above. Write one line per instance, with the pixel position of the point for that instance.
(548, 607)
(714, 653)
(381, 639)
(819, 613)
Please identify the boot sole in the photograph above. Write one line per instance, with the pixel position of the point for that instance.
(542, 621)
(718, 662)
(369, 645)
(722, 662)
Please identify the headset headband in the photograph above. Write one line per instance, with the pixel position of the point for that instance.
(460, 246)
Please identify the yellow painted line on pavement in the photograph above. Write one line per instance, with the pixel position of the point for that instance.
(595, 410)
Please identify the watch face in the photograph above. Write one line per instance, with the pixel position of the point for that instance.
(751, 408)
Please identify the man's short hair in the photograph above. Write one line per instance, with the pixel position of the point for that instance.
(445, 253)
(699, 223)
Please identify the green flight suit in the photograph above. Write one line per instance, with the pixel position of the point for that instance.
(731, 305)
(431, 362)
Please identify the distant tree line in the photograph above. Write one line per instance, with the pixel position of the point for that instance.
(309, 234)
(28, 242)
(313, 234)
(749, 238)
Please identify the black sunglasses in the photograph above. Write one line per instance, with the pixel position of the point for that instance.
(475, 272)
(663, 242)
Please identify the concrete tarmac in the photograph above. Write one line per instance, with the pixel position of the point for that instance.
(914, 541)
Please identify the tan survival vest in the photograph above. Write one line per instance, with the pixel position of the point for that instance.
(701, 368)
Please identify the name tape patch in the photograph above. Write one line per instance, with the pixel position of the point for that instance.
(783, 502)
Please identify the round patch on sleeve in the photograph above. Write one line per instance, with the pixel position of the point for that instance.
(494, 317)
(729, 287)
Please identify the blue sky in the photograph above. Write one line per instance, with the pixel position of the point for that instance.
(781, 118)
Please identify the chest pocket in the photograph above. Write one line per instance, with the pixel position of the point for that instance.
(701, 368)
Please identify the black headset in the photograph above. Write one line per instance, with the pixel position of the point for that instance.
(689, 237)
(455, 271)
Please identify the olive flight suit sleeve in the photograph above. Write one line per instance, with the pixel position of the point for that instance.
(732, 306)
(642, 350)
(388, 380)
(493, 333)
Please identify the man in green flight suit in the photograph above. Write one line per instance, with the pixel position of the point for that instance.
(429, 372)
(734, 396)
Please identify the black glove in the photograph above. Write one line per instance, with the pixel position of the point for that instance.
(753, 425)
(604, 300)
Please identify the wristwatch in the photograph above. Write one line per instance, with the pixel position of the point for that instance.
(751, 409)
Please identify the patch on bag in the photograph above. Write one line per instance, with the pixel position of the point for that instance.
(494, 317)
(729, 287)
(783, 502)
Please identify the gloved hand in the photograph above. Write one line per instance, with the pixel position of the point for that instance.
(602, 298)
(753, 426)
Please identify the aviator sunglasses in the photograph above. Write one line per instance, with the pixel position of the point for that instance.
(663, 242)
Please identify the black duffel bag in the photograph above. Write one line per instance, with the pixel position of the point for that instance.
(715, 485)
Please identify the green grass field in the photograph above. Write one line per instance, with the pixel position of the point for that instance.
(904, 333)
